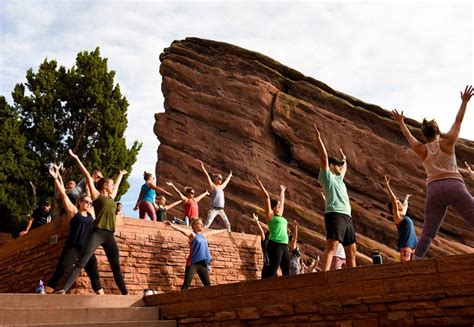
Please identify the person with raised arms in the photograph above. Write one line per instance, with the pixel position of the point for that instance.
(407, 240)
(104, 227)
(199, 258)
(191, 207)
(80, 229)
(444, 184)
(278, 254)
(146, 198)
(337, 212)
(216, 186)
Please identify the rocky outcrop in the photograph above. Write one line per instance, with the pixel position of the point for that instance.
(242, 111)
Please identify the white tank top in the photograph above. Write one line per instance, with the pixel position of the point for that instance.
(438, 164)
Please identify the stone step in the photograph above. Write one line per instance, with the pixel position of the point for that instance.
(12, 300)
(76, 315)
(151, 323)
(148, 323)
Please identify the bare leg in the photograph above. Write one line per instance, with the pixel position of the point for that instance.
(331, 246)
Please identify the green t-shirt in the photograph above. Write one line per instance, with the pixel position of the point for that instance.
(104, 208)
(278, 229)
(337, 199)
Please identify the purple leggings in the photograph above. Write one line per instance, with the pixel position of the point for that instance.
(439, 195)
(146, 208)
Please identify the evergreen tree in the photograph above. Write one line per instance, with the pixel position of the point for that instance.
(80, 108)
(16, 198)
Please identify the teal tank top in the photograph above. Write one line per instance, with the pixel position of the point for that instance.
(278, 227)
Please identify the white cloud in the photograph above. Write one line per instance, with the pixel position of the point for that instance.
(415, 56)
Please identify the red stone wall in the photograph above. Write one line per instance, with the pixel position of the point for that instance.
(152, 256)
(431, 292)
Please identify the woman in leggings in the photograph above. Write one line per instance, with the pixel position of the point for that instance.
(199, 258)
(146, 198)
(80, 228)
(104, 227)
(444, 185)
(278, 254)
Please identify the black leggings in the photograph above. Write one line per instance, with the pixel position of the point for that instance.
(67, 259)
(278, 256)
(107, 240)
(201, 269)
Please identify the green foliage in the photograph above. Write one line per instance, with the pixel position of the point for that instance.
(15, 170)
(78, 108)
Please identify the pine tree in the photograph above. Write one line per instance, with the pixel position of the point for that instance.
(80, 108)
(16, 200)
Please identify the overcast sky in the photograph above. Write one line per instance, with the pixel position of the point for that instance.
(415, 56)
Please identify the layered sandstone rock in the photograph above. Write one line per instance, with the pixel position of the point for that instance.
(242, 111)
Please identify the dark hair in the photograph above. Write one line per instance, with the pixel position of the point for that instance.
(273, 203)
(188, 189)
(334, 161)
(429, 129)
(45, 202)
(102, 181)
(147, 176)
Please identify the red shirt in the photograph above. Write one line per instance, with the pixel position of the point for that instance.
(191, 209)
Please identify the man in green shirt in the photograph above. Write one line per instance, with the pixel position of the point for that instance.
(337, 214)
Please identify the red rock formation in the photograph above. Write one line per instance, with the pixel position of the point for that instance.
(242, 111)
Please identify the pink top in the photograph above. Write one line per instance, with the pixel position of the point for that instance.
(191, 209)
(438, 164)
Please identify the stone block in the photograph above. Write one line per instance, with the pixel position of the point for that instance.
(248, 313)
(276, 310)
(463, 301)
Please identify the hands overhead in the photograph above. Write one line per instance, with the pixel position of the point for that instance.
(398, 116)
(467, 94)
(75, 156)
(318, 134)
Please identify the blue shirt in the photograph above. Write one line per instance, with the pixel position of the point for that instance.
(406, 234)
(148, 194)
(199, 251)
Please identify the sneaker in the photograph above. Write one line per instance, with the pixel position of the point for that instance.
(60, 292)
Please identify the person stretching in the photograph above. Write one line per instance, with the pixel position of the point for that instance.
(191, 207)
(104, 227)
(80, 229)
(217, 196)
(161, 212)
(444, 184)
(278, 254)
(146, 198)
(294, 250)
(264, 244)
(407, 240)
(199, 258)
(337, 212)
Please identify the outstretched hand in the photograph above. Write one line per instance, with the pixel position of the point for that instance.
(398, 116)
(200, 162)
(318, 134)
(75, 156)
(123, 172)
(469, 168)
(342, 154)
(53, 171)
(467, 94)
(283, 188)
(169, 183)
(387, 179)
(255, 216)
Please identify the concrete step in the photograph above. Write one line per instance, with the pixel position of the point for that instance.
(13, 300)
(76, 315)
(148, 323)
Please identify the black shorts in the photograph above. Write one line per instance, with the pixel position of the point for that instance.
(339, 227)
